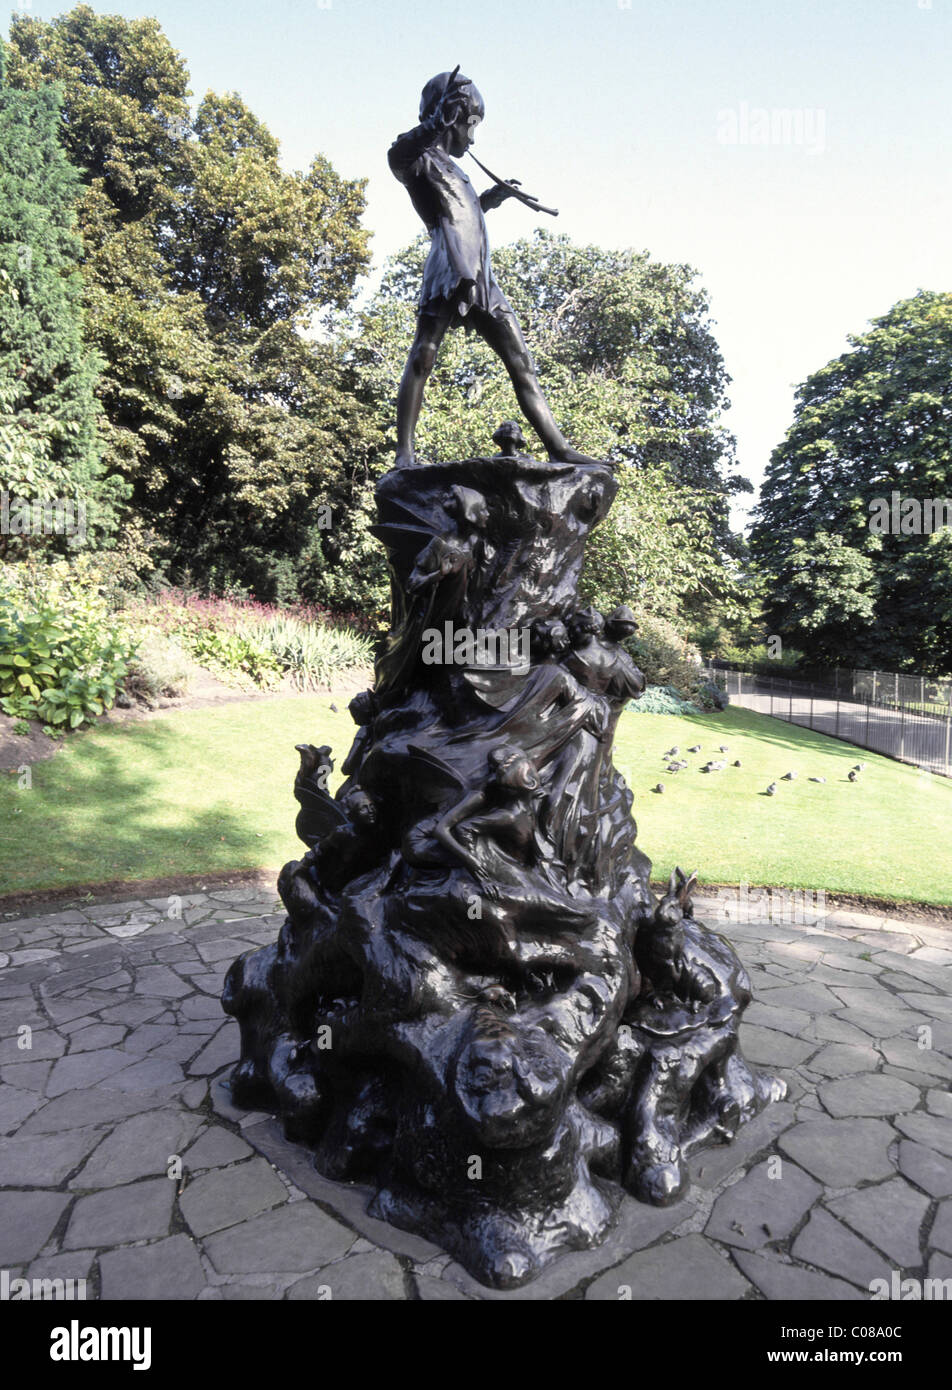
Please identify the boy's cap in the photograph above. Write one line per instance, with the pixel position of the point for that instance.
(437, 86)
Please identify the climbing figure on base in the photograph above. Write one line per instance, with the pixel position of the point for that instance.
(458, 282)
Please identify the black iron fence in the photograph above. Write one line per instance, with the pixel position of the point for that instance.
(889, 688)
(917, 730)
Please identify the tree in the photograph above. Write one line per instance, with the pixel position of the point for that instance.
(826, 590)
(208, 270)
(871, 437)
(49, 444)
(633, 374)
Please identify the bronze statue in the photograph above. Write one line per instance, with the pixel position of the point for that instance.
(472, 923)
(458, 282)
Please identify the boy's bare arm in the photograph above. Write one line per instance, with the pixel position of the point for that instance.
(407, 148)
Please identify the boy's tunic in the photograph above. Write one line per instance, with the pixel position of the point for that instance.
(457, 270)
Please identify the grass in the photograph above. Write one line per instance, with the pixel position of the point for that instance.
(889, 835)
(190, 792)
(209, 790)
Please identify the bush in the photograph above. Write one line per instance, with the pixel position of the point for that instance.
(758, 658)
(311, 655)
(209, 630)
(62, 656)
(664, 656)
(256, 643)
(662, 699)
(711, 696)
(231, 653)
(157, 670)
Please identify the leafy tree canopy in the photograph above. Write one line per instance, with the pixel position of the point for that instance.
(874, 424)
(207, 268)
(632, 371)
(49, 443)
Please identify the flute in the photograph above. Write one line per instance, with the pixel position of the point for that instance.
(517, 192)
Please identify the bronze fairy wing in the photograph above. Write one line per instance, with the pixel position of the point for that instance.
(436, 779)
(402, 540)
(497, 686)
(392, 509)
(318, 816)
(400, 526)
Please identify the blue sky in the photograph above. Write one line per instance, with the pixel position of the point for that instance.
(648, 124)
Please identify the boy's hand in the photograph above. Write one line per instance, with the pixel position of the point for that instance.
(494, 197)
(444, 116)
(447, 109)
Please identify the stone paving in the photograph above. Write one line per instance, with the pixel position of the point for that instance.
(123, 1162)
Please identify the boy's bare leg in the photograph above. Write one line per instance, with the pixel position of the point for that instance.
(430, 331)
(504, 336)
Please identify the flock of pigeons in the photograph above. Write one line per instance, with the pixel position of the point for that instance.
(675, 763)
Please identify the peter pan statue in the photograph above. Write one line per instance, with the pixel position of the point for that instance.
(458, 281)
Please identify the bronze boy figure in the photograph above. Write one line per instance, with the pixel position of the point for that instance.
(458, 282)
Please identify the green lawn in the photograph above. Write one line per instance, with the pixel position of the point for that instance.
(189, 792)
(200, 791)
(889, 835)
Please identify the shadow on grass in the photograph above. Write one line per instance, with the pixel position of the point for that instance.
(91, 815)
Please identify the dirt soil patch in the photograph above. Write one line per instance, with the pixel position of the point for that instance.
(115, 891)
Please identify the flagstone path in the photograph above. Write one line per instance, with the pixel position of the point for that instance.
(123, 1162)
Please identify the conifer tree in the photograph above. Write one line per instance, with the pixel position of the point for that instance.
(49, 446)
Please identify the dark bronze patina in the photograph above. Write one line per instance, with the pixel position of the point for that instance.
(458, 282)
(476, 1005)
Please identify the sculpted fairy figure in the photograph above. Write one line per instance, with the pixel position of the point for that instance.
(487, 824)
